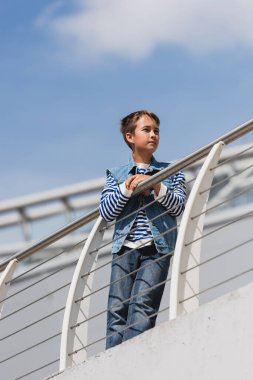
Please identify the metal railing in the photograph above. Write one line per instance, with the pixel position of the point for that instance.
(31, 291)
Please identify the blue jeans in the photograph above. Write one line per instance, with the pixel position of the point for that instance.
(144, 301)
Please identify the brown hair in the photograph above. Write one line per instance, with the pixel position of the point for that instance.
(128, 123)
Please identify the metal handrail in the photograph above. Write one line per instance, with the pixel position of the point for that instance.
(172, 169)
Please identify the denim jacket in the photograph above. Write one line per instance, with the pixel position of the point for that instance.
(164, 242)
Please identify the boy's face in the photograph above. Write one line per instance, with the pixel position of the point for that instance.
(145, 136)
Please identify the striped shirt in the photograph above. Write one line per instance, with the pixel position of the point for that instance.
(114, 197)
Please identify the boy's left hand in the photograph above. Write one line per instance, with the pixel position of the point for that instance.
(132, 182)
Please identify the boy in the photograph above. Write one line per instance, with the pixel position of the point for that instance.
(142, 247)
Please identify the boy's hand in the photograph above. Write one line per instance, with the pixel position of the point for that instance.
(132, 182)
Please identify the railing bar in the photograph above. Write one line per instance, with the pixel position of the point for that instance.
(122, 302)
(134, 229)
(31, 269)
(46, 261)
(217, 256)
(30, 348)
(40, 280)
(191, 180)
(243, 216)
(125, 276)
(35, 301)
(221, 203)
(132, 213)
(112, 241)
(38, 369)
(33, 323)
(127, 253)
(225, 179)
(216, 285)
(117, 332)
(231, 158)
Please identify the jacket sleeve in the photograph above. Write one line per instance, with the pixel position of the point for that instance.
(113, 198)
(172, 194)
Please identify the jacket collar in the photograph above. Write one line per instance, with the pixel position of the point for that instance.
(154, 165)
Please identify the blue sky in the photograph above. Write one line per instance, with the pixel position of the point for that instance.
(70, 70)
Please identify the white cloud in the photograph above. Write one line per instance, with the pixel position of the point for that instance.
(132, 29)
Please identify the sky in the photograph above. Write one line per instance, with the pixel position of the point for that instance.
(70, 70)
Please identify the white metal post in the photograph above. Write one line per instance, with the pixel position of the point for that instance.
(76, 338)
(185, 284)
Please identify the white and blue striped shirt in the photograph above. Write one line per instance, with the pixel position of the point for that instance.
(114, 197)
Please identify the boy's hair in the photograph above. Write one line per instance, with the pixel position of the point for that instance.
(128, 123)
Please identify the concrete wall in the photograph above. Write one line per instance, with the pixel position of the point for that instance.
(213, 343)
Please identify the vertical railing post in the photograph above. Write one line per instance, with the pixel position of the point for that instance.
(185, 284)
(74, 339)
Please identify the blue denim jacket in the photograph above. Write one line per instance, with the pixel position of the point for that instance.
(164, 243)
